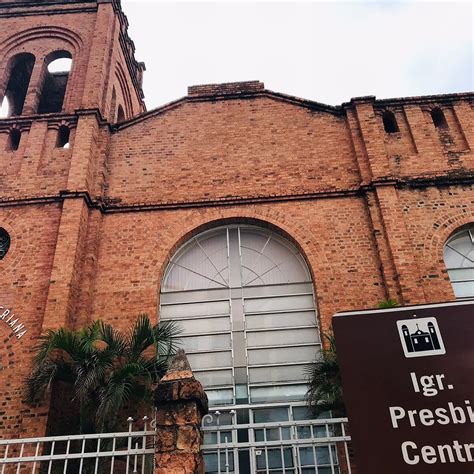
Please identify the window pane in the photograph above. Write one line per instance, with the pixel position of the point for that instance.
(282, 354)
(214, 465)
(274, 459)
(269, 259)
(302, 413)
(206, 343)
(220, 397)
(207, 308)
(464, 289)
(200, 264)
(322, 455)
(279, 303)
(284, 337)
(277, 394)
(187, 279)
(279, 320)
(199, 326)
(215, 377)
(211, 462)
(276, 374)
(183, 297)
(307, 456)
(210, 360)
(463, 274)
(303, 432)
(266, 415)
(277, 290)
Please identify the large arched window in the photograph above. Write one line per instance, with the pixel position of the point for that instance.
(459, 260)
(243, 296)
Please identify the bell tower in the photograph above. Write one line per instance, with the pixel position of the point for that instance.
(67, 74)
(67, 55)
(67, 69)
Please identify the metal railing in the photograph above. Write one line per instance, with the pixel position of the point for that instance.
(317, 446)
(122, 452)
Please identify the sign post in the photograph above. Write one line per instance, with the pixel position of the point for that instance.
(408, 381)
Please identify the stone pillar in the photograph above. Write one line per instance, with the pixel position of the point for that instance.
(181, 403)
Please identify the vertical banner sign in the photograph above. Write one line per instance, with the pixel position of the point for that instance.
(408, 381)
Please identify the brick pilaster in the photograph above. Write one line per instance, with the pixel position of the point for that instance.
(400, 246)
(67, 263)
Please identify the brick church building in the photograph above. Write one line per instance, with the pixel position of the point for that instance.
(247, 215)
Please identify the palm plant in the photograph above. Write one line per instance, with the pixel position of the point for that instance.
(105, 368)
(324, 382)
(324, 376)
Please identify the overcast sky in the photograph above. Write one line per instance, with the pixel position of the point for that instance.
(323, 51)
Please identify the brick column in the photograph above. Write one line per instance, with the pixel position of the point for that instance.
(181, 403)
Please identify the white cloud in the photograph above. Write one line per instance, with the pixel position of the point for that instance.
(325, 51)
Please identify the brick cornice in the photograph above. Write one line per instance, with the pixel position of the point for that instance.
(107, 206)
(52, 7)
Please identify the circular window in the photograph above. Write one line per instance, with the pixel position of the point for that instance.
(4, 242)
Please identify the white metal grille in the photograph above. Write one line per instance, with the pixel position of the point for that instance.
(244, 441)
(125, 452)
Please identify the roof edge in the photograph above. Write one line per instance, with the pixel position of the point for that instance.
(231, 91)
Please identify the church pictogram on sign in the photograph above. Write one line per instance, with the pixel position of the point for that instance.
(420, 337)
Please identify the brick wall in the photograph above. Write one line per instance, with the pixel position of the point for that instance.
(24, 281)
(93, 226)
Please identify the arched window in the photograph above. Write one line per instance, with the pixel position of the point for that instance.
(438, 118)
(459, 260)
(390, 124)
(58, 66)
(62, 140)
(17, 86)
(14, 138)
(4, 242)
(243, 296)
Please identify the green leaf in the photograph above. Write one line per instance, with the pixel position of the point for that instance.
(105, 367)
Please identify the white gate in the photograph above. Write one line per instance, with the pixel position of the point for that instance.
(123, 452)
(274, 439)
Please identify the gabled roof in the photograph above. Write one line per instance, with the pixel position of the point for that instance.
(255, 89)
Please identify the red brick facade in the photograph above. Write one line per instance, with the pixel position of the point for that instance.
(93, 226)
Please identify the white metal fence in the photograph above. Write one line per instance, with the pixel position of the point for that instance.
(123, 452)
(233, 444)
(247, 439)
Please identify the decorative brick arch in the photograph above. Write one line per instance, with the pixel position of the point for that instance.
(266, 217)
(67, 40)
(43, 42)
(445, 226)
(18, 40)
(435, 276)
